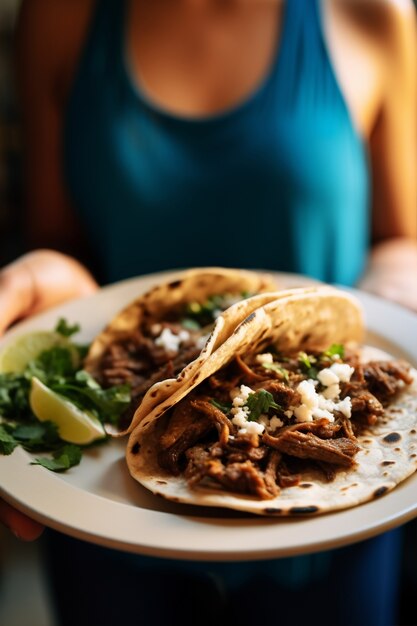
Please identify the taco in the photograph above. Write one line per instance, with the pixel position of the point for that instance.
(290, 416)
(165, 330)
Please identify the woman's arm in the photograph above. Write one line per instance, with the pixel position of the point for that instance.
(392, 269)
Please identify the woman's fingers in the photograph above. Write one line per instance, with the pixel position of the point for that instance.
(21, 526)
(392, 272)
(39, 280)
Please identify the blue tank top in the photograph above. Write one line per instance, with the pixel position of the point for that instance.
(279, 181)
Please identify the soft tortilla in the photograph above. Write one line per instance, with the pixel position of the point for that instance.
(389, 451)
(189, 286)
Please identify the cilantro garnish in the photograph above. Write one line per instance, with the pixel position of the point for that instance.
(306, 363)
(335, 350)
(65, 329)
(225, 408)
(58, 369)
(7, 442)
(62, 459)
(277, 368)
(260, 402)
(200, 314)
(190, 324)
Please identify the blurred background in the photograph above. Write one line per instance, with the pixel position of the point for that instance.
(10, 153)
(23, 585)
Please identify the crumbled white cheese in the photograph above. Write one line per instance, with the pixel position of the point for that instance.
(327, 377)
(345, 407)
(343, 371)
(265, 358)
(171, 342)
(240, 412)
(303, 413)
(309, 396)
(275, 422)
(239, 395)
(332, 392)
(323, 413)
(321, 405)
(252, 428)
(240, 417)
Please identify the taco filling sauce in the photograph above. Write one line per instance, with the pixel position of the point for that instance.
(263, 421)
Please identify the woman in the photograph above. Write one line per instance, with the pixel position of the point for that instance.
(260, 134)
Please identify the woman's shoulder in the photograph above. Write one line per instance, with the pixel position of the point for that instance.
(50, 35)
(386, 22)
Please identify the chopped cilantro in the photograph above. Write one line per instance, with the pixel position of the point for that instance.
(62, 459)
(7, 442)
(65, 329)
(335, 350)
(260, 402)
(277, 368)
(306, 362)
(86, 393)
(59, 370)
(225, 408)
(190, 324)
(205, 313)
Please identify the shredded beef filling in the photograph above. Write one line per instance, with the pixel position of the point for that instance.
(138, 361)
(201, 440)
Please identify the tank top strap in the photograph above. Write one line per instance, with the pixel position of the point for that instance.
(306, 77)
(102, 45)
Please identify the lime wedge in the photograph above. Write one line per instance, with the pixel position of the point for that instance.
(74, 425)
(15, 355)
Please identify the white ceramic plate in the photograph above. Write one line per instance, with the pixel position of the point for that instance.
(98, 501)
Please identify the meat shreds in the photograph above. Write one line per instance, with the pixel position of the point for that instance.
(338, 451)
(136, 360)
(241, 477)
(203, 439)
(385, 378)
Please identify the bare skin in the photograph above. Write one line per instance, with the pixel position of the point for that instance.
(219, 52)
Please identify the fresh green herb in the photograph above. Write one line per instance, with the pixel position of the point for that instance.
(204, 313)
(190, 324)
(200, 314)
(62, 459)
(219, 405)
(37, 435)
(275, 367)
(14, 395)
(260, 402)
(52, 366)
(65, 329)
(58, 369)
(7, 442)
(86, 393)
(306, 362)
(335, 350)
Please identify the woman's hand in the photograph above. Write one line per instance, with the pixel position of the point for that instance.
(392, 272)
(21, 526)
(39, 280)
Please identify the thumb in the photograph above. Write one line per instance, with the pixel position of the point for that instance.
(16, 294)
(39, 280)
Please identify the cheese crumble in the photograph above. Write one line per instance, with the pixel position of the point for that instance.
(171, 342)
